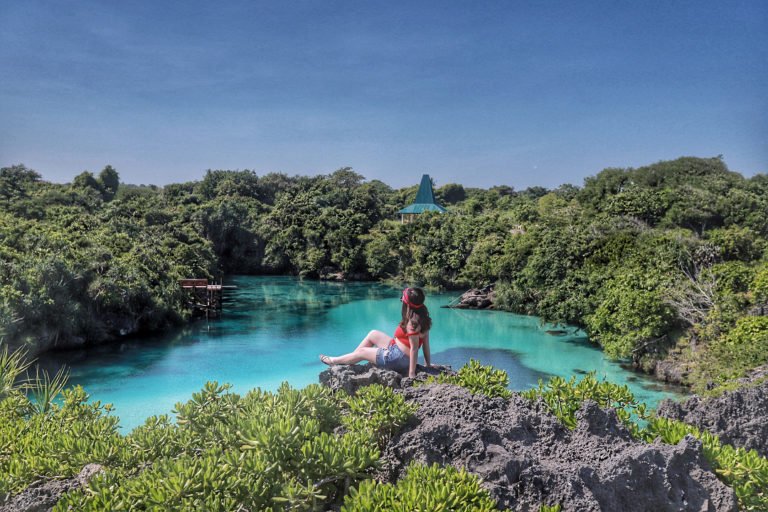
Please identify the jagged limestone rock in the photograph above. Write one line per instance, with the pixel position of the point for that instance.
(737, 417)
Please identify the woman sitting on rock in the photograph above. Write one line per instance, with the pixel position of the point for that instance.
(402, 351)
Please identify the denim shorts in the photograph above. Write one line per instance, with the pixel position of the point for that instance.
(392, 358)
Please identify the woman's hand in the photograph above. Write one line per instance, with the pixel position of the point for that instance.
(427, 354)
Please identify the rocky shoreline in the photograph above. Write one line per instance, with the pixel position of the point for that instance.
(526, 457)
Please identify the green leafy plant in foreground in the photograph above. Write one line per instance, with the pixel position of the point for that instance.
(422, 489)
(564, 398)
(376, 412)
(263, 451)
(44, 389)
(12, 366)
(58, 441)
(478, 379)
(426, 489)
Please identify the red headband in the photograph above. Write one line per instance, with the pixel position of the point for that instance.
(407, 302)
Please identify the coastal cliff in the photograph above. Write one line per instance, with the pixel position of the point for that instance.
(526, 457)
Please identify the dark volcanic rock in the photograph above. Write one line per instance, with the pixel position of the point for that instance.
(738, 417)
(477, 298)
(526, 457)
(352, 377)
(42, 496)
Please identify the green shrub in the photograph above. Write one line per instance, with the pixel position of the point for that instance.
(57, 442)
(422, 489)
(264, 451)
(211, 481)
(733, 354)
(376, 412)
(563, 398)
(478, 379)
(759, 287)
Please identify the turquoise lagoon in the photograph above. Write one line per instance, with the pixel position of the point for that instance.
(273, 329)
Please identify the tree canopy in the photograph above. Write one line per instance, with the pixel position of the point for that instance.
(662, 259)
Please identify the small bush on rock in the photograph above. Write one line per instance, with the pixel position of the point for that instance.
(478, 379)
(376, 412)
(564, 398)
(422, 489)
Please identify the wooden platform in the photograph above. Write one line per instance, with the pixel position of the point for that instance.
(203, 297)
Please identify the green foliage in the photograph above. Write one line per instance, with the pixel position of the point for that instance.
(759, 286)
(54, 441)
(263, 451)
(631, 311)
(75, 267)
(376, 412)
(478, 379)
(44, 389)
(16, 182)
(422, 489)
(737, 243)
(733, 354)
(564, 398)
(109, 180)
(13, 365)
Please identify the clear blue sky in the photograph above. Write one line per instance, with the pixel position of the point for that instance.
(478, 93)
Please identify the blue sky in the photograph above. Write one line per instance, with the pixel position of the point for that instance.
(478, 93)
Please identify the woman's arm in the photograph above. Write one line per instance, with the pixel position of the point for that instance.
(414, 355)
(427, 357)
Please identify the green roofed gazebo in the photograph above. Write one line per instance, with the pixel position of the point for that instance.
(425, 202)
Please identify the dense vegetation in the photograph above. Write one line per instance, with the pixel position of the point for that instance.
(667, 260)
(289, 450)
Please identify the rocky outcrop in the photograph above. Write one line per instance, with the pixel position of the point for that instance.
(352, 377)
(477, 298)
(671, 370)
(331, 274)
(526, 457)
(42, 496)
(738, 417)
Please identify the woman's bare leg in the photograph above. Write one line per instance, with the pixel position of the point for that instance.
(365, 351)
(376, 339)
(359, 354)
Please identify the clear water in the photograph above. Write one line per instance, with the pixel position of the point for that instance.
(273, 329)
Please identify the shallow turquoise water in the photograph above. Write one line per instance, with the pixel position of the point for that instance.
(273, 329)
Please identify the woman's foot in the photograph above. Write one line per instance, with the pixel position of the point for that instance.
(326, 360)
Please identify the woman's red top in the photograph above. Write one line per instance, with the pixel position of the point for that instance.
(403, 337)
